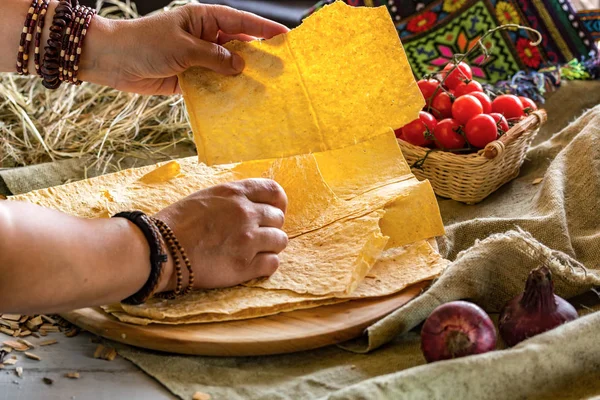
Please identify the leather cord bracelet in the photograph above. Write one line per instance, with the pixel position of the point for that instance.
(157, 255)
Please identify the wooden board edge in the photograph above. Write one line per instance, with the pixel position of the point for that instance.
(97, 322)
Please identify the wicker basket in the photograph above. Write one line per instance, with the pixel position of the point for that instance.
(470, 178)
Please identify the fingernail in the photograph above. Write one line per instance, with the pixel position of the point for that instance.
(237, 62)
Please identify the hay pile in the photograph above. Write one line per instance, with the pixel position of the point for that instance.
(39, 125)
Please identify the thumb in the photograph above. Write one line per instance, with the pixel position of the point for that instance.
(214, 57)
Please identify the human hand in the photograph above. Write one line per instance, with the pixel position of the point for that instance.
(231, 232)
(145, 55)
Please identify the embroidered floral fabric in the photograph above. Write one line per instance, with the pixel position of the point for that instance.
(432, 31)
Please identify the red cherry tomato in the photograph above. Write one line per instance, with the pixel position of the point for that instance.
(467, 88)
(427, 87)
(485, 101)
(460, 74)
(528, 104)
(415, 132)
(501, 122)
(508, 105)
(398, 133)
(441, 106)
(465, 108)
(480, 130)
(429, 120)
(447, 135)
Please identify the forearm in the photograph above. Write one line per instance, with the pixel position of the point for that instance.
(51, 262)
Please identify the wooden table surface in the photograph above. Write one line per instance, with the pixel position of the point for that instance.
(100, 379)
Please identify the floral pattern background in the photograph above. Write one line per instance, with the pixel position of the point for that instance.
(433, 31)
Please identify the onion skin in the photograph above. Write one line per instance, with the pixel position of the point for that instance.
(534, 311)
(457, 329)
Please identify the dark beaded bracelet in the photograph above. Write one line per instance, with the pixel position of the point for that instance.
(30, 35)
(38, 35)
(79, 40)
(67, 47)
(157, 256)
(63, 16)
(21, 59)
(175, 247)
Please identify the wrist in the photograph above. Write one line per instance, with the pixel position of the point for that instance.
(101, 58)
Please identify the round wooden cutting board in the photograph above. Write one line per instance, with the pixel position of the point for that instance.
(282, 333)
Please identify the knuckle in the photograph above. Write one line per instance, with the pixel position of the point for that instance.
(279, 217)
(187, 53)
(221, 55)
(271, 185)
(231, 189)
(285, 240)
(243, 213)
(271, 265)
(282, 241)
(277, 191)
(246, 238)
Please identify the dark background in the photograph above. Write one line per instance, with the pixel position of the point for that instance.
(288, 12)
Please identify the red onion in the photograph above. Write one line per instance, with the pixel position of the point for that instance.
(457, 329)
(534, 311)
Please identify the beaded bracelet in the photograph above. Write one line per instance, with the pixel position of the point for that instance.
(157, 255)
(79, 41)
(29, 37)
(64, 47)
(41, 21)
(23, 55)
(63, 16)
(153, 228)
(72, 52)
(67, 44)
(175, 247)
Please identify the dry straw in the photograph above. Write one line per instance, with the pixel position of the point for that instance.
(39, 125)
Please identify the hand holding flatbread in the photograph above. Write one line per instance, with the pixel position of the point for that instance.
(231, 232)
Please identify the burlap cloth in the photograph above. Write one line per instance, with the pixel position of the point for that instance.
(494, 245)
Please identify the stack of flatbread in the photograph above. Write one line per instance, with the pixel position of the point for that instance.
(313, 111)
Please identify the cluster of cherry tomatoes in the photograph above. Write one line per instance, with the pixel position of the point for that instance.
(458, 115)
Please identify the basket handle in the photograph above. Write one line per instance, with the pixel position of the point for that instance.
(536, 119)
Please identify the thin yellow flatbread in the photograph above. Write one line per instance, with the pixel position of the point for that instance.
(354, 170)
(208, 318)
(395, 270)
(399, 268)
(334, 242)
(226, 301)
(340, 78)
(309, 196)
(333, 259)
(312, 202)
